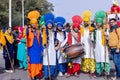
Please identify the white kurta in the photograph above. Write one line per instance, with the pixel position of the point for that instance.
(60, 55)
(100, 49)
(51, 52)
(76, 60)
(87, 46)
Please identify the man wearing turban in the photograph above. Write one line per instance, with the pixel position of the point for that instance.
(34, 44)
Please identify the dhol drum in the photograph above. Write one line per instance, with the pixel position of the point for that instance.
(75, 51)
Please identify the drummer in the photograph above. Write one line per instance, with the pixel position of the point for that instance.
(74, 37)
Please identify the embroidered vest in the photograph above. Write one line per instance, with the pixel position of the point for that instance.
(30, 38)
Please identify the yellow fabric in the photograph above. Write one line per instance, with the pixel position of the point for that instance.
(103, 37)
(2, 38)
(88, 65)
(44, 37)
(34, 21)
(86, 19)
(91, 29)
(9, 37)
(86, 15)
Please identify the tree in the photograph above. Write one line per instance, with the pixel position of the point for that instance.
(43, 6)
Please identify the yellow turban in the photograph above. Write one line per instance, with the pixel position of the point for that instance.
(33, 16)
(86, 15)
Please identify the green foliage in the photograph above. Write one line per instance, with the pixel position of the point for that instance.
(43, 6)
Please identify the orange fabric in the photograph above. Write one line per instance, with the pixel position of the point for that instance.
(34, 69)
(30, 38)
(24, 33)
(2, 39)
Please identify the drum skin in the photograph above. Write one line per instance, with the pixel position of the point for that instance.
(75, 51)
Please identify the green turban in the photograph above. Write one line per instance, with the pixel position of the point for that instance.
(99, 20)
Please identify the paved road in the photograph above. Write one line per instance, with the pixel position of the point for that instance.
(23, 75)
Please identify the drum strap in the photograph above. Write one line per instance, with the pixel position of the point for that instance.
(78, 39)
(70, 38)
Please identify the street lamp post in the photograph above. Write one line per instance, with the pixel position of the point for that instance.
(10, 13)
(23, 13)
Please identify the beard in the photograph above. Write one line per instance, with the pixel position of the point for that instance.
(49, 27)
(86, 25)
(60, 30)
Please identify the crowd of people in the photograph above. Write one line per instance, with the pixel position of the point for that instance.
(40, 47)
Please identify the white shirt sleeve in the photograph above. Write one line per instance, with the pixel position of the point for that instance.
(65, 41)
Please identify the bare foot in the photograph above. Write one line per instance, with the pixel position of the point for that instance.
(68, 75)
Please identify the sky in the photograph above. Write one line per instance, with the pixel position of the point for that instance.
(69, 8)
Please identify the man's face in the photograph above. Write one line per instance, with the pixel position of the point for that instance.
(59, 28)
(49, 26)
(34, 26)
(112, 23)
(98, 25)
(86, 23)
(9, 30)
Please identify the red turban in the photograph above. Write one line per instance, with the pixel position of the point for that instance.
(115, 9)
(76, 25)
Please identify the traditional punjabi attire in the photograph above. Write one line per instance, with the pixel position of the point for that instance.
(88, 61)
(7, 42)
(35, 48)
(101, 50)
(74, 64)
(49, 55)
(21, 51)
(60, 36)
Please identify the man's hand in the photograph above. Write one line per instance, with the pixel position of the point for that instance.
(4, 56)
(117, 50)
(56, 48)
